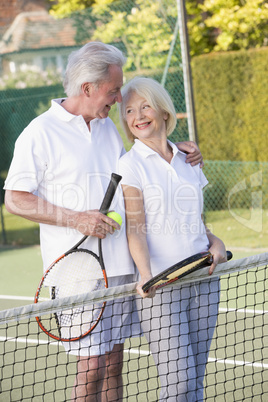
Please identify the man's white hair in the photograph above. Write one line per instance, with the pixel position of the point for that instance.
(90, 64)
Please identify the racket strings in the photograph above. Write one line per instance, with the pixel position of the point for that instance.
(76, 273)
(73, 269)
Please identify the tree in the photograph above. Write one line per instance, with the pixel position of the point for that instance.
(139, 27)
(201, 37)
(64, 8)
(146, 40)
(223, 25)
(213, 25)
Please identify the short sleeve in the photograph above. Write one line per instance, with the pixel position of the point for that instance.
(129, 177)
(28, 165)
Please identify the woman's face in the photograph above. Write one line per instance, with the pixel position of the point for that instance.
(143, 121)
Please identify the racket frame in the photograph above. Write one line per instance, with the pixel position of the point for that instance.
(202, 260)
(104, 208)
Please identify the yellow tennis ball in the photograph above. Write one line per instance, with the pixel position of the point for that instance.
(115, 216)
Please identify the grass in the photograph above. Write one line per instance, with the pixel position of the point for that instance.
(19, 231)
(22, 273)
(239, 228)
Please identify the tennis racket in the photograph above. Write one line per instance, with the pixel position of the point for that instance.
(77, 271)
(181, 269)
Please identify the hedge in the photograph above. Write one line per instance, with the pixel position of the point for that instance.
(231, 98)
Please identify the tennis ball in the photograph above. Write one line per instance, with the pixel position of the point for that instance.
(115, 216)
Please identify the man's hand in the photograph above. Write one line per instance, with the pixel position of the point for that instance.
(194, 156)
(94, 223)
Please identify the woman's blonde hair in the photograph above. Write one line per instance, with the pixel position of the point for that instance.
(157, 97)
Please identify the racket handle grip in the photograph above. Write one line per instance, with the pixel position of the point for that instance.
(110, 192)
(229, 255)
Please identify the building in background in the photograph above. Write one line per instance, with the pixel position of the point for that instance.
(30, 38)
(9, 9)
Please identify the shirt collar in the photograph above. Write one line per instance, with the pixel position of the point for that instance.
(61, 113)
(146, 151)
(143, 149)
(175, 148)
(64, 115)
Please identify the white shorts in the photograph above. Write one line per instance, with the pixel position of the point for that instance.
(118, 322)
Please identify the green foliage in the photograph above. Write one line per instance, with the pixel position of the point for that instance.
(222, 25)
(201, 37)
(242, 24)
(231, 97)
(252, 111)
(64, 8)
(213, 25)
(126, 24)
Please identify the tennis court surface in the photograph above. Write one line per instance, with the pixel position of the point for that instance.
(34, 367)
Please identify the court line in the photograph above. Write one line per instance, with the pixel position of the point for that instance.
(23, 298)
(139, 352)
(238, 363)
(242, 310)
(10, 297)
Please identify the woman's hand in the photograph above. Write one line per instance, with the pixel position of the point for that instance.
(218, 252)
(150, 293)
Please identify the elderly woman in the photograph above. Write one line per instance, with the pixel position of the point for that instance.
(163, 201)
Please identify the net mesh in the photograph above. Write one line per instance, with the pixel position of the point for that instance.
(35, 367)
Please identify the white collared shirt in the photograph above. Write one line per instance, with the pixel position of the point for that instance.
(173, 202)
(57, 158)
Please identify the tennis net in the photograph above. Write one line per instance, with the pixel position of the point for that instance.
(34, 367)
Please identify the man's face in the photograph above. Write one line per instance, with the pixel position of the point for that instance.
(107, 94)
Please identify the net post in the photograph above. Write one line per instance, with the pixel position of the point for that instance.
(188, 87)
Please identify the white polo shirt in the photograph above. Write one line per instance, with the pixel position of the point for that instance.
(173, 203)
(57, 158)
